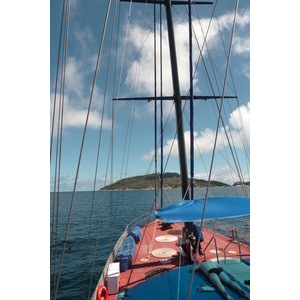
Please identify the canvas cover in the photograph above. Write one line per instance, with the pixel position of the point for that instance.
(126, 253)
(136, 233)
(216, 208)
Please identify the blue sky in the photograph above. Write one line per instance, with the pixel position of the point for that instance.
(86, 25)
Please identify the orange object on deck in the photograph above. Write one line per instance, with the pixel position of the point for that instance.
(102, 290)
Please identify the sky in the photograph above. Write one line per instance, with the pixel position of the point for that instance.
(137, 79)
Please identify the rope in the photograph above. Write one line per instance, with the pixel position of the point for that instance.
(114, 111)
(155, 102)
(59, 142)
(59, 139)
(52, 129)
(152, 240)
(161, 109)
(57, 68)
(216, 137)
(179, 267)
(98, 152)
(110, 147)
(83, 139)
(236, 163)
(133, 263)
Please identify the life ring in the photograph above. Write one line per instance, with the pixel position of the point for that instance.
(102, 290)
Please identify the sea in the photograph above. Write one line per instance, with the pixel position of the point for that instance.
(96, 223)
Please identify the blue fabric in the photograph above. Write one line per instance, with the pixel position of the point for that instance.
(136, 233)
(196, 232)
(126, 253)
(216, 208)
(246, 261)
(165, 287)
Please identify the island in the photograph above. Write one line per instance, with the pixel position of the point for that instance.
(147, 182)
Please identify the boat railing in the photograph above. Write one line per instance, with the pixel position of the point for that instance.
(213, 238)
(140, 221)
(224, 228)
(238, 240)
(110, 260)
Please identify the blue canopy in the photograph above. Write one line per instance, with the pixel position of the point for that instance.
(216, 208)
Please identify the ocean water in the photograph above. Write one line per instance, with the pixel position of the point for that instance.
(83, 262)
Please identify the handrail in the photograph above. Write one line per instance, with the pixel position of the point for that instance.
(215, 248)
(116, 248)
(239, 247)
(238, 239)
(138, 220)
(110, 260)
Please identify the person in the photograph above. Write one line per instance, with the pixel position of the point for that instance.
(216, 275)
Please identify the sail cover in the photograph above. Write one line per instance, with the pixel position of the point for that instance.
(216, 208)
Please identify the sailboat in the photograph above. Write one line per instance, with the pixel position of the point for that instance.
(156, 255)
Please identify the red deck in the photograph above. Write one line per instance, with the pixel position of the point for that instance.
(144, 261)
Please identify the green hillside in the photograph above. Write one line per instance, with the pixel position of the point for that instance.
(147, 182)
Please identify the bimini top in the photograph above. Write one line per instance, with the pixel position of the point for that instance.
(216, 208)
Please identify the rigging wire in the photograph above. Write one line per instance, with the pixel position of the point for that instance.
(112, 128)
(142, 43)
(57, 69)
(216, 136)
(52, 129)
(131, 115)
(206, 70)
(201, 55)
(191, 101)
(236, 163)
(161, 108)
(60, 126)
(59, 141)
(133, 263)
(204, 43)
(110, 146)
(99, 144)
(244, 138)
(140, 49)
(155, 103)
(81, 150)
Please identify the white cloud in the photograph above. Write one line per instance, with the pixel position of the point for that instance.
(79, 70)
(239, 121)
(223, 174)
(75, 116)
(67, 183)
(143, 67)
(241, 45)
(86, 40)
(74, 77)
(243, 18)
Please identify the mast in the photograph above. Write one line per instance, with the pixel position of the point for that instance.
(176, 95)
(177, 99)
(191, 101)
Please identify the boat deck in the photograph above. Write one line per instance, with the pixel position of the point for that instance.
(169, 257)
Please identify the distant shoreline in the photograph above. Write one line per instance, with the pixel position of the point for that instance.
(170, 188)
(170, 181)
